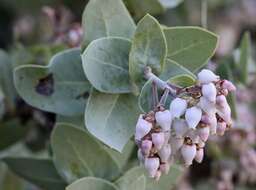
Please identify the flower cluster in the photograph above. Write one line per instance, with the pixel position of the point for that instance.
(164, 135)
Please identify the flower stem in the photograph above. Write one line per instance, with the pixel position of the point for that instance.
(159, 83)
(154, 95)
(204, 10)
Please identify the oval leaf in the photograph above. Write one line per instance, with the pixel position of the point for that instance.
(61, 87)
(106, 18)
(105, 62)
(91, 183)
(38, 171)
(191, 47)
(77, 154)
(111, 118)
(148, 49)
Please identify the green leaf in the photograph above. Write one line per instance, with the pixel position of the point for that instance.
(245, 57)
(170, 3)
(111, 118)
(140, 8)
(91, 183)
(38, 171)
(191, 47)
(166, 181)
(174, 73)
(77, 155)
(61, 87)
(77, 120)
(105, 62)
(6, 78)
(106, 18)
(148, 49)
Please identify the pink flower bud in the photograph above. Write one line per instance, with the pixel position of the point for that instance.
(143, 127)
(207, 106)
(152, 165)
(158, 175)
(176, 144)
(165, 168)
(204, 133)
(164, 119)
(193, 116)
(221, 128)
(178, 107)
(188, 153)
(223, 109)
(213, 124)
(199, 155)
(209, 92)
(146, 146)
(207, 76)
(180, 127)
(228, 85)
(158, 140)
(221, 101)
(165, 153)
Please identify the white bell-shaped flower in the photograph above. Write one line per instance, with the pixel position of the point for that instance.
(180, 127)
(223, 109)
(204, 133)
(209, 92)
(228, 85)
(188, 153)
(199, 155)
(165, 153)
(207, 76)
(152, 165)
(164, 119)
(158, 140)
(221, 128)
(165, 168)
(178, 107)
(213, 123)
(143, 127)
(146, 146)
(207, 106)
(193, 116)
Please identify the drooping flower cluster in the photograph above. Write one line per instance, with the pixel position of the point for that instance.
(164, 135)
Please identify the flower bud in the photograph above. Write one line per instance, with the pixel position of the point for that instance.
(193, 116)
(201, 144)
(178, 107)
(158, 140)
(165, 168)
(207, 76)
(143, 127)
(180, 127)
(228, 85)
(146, 146)
(164, 119)
(207, 106)
(204, 133)
(165, 153)
(213, 124)
(152, 165)
(221, 101)
(221, 128)
(223, 109)
(209, 92)
(199, 155)
(176, 144)
(188, 153)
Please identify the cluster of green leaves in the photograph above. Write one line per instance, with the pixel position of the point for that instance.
(97, 93)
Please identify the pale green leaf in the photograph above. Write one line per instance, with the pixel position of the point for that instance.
(148, 49)
(77, 154)
(41, 172)
(105, 62)
(61, 87)
(140, 8)
(111, 118)
(191, 47)
(91, 183)
(106, 18)
(183, 80)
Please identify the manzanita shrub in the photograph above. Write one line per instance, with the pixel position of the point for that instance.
(125, 71)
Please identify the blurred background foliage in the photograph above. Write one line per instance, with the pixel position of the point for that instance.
(31, 32)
